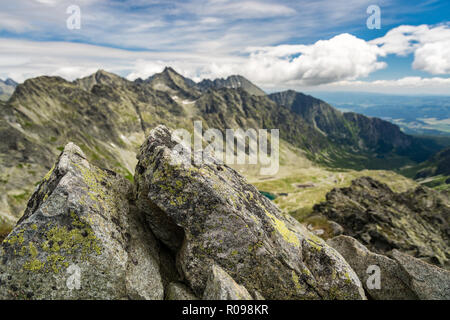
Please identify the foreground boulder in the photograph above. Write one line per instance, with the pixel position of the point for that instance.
(220, 286)
(209, 215)
(401, 277)
(80, 238)
(414, 222)
(179, 291)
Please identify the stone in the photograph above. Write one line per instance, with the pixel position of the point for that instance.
(415, 222)
(179, 291)
(402, 277)
(220, 286)
(211, 216)
(427, 281)
(80, 238)
(392, 287)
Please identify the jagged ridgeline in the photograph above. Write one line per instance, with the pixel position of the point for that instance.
(108, 117)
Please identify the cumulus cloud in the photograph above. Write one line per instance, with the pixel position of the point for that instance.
(430, 46)
(339, 58)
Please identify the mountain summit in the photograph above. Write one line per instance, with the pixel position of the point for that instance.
(234, 82)
(172, 82)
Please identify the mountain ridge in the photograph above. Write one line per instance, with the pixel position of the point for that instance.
(109, 116)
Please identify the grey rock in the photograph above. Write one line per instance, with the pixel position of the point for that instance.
(427, 281)
(179, 291)
(392, 286)
(416, 222)
(402, 276)
(221, 286)
(336, 228)
(222, 220)
(80, 238)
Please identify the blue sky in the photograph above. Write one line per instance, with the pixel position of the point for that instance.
(304, 45)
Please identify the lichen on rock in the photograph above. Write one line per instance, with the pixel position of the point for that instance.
(218, 218)
(80, 218)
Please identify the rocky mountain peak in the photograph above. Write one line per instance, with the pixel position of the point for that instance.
(7, 88)
(100, 77)
(173, 83)
(9, 82)
(234, 82)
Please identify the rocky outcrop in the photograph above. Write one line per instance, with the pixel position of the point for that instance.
(220, 286)
(80, 238)
(179, 291)
(414, 222)
(392, 287)
(428, 281)
(209, 215)
(186, 231)
(86, 234)
(402, 277)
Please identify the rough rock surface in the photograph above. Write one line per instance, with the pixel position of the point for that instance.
(414, 222)
(221, 286)
(80, 225)
(211, 215)
(401, 277)
(360, 258)
(428, 281)
(179, 291)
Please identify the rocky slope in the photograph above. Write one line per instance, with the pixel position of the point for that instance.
(108, 117)
(378, 137)
(435, 172)
(7, 88)
(87, 233)
(415, 222)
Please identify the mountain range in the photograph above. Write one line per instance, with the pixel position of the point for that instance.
(108, 117)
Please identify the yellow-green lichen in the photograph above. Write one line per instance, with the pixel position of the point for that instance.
(16, 239)
(59, 243)
(280, 226)
(34, 265)
(315, 242)
(47, 176)
(296, 281)
(92, 177)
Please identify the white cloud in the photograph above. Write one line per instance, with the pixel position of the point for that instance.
(338, 63)
(430, 46)
(339, 58)
(246, 9)
(13, 24)
(405, 85)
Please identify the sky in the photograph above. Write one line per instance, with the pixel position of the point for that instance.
(305, 45)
